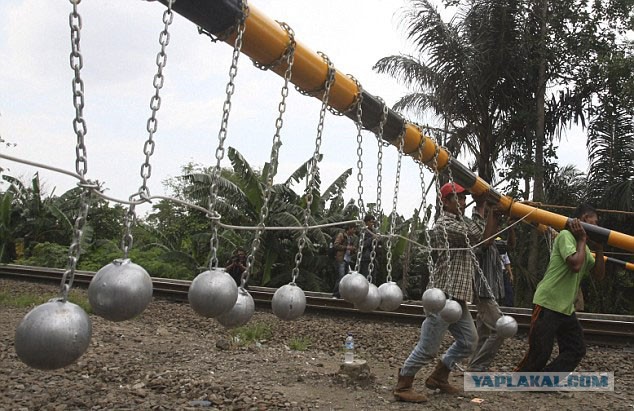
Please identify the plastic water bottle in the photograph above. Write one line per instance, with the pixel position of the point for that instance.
(348, 356)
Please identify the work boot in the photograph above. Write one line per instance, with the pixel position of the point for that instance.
(404, 391)
(438, 380)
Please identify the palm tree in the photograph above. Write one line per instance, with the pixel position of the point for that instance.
(611, 155)
(5, 226)
(469, 71)
(241, 195)
(35, 216)
(567, 186)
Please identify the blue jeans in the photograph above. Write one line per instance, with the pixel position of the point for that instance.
(488, 341)
(508, 290)
(432, 332)
(342, 270)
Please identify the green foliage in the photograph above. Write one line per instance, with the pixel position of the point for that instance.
(5, 225)
(98, 255)
(29, 300)
(21, 300)
(613, 295)
(47, 255)
(156, 260)
(157, 263)
(300, 343)
(81, 299)
(251, 333)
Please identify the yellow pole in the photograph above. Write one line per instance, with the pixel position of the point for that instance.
(265, 41)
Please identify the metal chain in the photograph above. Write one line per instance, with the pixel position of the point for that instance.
(324, 85)
(397, 183)
(359, 124)
(151, 127)
(275, 149)
(421, 168)
(129, 220)
(379, 178)
(441, 212)
(81, 160)
(222, 136)
(155, 101)
(310, 183)
(283, 57)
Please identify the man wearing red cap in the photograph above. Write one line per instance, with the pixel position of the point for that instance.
(453, 274)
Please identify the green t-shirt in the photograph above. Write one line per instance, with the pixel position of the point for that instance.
(558, 289)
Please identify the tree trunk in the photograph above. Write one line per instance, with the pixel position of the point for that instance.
(541, 7)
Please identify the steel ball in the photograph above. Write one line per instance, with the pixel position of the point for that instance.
(212, 293)
(240, 313)
(53, 335)
(372, 299)
(452, 312)
(391, 296)
(506, 326)
(120, 291)
(344, 280)
(434, 300)
(355, 288)
(289, 302)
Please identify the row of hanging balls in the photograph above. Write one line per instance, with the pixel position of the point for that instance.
(57, 333)
(436, 302)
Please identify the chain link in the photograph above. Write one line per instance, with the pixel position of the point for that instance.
(441, 214)
(129, 220)
(284, 56)
(152, 124)
(421, 169)
(359, 124)
(310, 182)
(401, 140)
(379, 179)
(155, 101)
(222, 136)
(81, 155)
(275, 149)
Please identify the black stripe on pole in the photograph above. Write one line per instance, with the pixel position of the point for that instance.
(462, 174)
(372, 112)
(596, 233)
(623, 264)
(214, 16)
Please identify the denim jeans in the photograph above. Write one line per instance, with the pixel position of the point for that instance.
(342, 270)
(488, 341)
(432, 332)
(508, 291)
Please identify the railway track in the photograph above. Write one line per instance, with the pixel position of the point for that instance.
(606, 329)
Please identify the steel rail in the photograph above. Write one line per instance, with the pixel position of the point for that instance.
(608, 329)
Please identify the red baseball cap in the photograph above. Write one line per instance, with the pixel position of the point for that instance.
(447, 189)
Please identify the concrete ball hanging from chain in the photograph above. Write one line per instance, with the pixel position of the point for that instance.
(452, 312)
(53, 335)
(371, 301)
(289, 302)
(434, 300)
(240, 313)
(355, 288)
(120, 290)
(506, 326)
(391, 296)
(212, 293)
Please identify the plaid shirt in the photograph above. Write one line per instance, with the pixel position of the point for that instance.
(455, 275)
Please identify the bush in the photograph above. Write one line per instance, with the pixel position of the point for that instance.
(47, 255)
